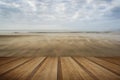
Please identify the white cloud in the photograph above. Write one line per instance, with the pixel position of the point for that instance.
(89, 1)
(14, 5)
(32, 4)
(57, 11)
(76, 15)
(60, 8)
(64, 9)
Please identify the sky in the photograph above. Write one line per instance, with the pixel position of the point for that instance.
(63, 15)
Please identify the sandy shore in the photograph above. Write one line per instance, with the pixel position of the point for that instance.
(60, 44)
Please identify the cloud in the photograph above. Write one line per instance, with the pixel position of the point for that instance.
(60, 8)
(58, 11)
(32, 4)
(63, 9)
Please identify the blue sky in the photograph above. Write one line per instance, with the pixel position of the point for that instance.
(83, 15)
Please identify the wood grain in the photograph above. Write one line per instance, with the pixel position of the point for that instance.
(48, 71)
(12, 65)
(110, 66)
(99, 71)
(23, 70)
(59, 68)
(72, 71)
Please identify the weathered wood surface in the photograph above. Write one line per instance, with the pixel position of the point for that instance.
(60, 68)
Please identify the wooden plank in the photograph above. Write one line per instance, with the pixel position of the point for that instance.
(6, 60)
(72, 71)
(59, 70)
(115, 60)
(22, 72)
(48, 71)
(110, 66)
(62, 68)
(9, 66)
(100, 72)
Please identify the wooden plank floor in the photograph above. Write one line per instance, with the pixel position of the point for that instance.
(60, 68)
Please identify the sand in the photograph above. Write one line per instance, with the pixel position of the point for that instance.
(59, 44)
